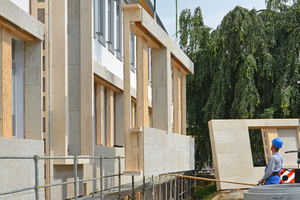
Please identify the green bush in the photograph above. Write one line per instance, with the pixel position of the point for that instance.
(204, 191)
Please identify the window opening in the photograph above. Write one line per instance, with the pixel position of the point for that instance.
(257, 147)
(119, 29)
(111, 25)
(13, 88)
(132, 52)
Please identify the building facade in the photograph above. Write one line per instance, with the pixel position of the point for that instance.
(111, 83)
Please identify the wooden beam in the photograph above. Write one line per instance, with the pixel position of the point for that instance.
(100, 114)
(107, 84)
(138, 30)
(264, 139)
(60, 72)
(271, 133)
(86, 77)
(6, 82)
(183, 103)
(176, 63)
(33, 8)
(280, 127)
(133, 114)
(16, 31)
(127, 94)
(142, 82)
(176, 101)
(109, 117)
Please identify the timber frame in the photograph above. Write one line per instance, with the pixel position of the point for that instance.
(165, 53)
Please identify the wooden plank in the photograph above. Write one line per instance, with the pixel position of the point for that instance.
(138, 30)
(264, 139)
(176, 101)
(41, 5)
(16, 31)
(60, 72)
(109, 117)
(183, 103)
(33, 8)
(271, 133)
(6, 82)
(127, 95)
(142, 82)
(100, 114)
(283, 127)
(133, 114)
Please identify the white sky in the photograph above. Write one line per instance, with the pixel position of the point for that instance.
(213, 11)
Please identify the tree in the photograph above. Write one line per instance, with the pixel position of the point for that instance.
(247, 68)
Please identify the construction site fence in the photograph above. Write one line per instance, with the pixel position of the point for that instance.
(182, 186)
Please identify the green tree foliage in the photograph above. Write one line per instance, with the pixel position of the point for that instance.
(247, 68)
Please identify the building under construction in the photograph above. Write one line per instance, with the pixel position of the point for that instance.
(92, 102)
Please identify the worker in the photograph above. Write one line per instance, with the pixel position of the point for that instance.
(274, 165)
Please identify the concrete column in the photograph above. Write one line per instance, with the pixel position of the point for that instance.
(74, 75)
(176, 101)
(5, 82)
(33, 112)
(161, 89)
(86, 76)
(119, 119)
(142, 82)
(60, 101)
(183, 103)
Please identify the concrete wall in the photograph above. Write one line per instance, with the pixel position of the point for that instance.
(18, 174)
(231, 149)
(166, 152)
(21, 18)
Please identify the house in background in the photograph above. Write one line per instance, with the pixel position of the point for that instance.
(112, 84)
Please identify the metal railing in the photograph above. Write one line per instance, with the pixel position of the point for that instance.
(181, 190)
(37, 186)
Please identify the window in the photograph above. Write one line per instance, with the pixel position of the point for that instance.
(17, 88)
(13, 88)
(149, 66)
(132, 52)
(111, 25)
(119, 29)
(99, 20)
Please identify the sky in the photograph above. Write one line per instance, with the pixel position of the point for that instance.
(213, 11)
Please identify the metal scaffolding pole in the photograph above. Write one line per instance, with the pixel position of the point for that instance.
(159, 188)
(175, 185)
(166, 192)
(171, 188)
(133, 194)
(37, 187)
(101, 176)
(119, 175)
(153, 189)
(182, 188)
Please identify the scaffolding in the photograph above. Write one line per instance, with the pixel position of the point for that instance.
(179, 187)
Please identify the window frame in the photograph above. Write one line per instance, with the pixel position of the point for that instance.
(111, 26)
(99, 21)
(132, 53)
(119, 22)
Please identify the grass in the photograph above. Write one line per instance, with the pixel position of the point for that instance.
(205, 192)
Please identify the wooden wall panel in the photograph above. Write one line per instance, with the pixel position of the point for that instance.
(6, 82)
